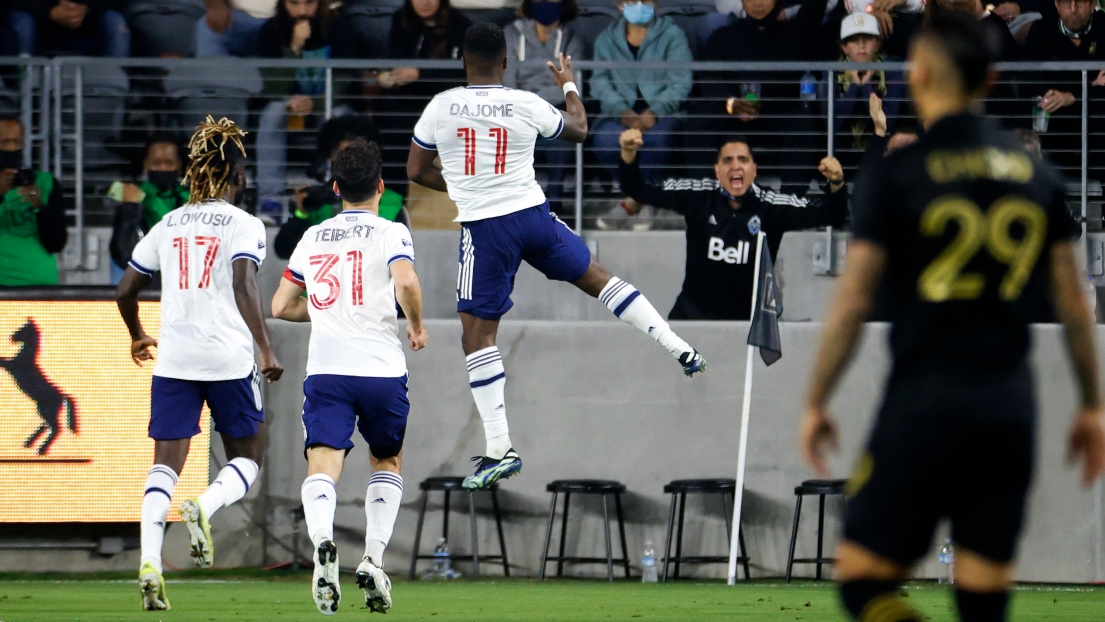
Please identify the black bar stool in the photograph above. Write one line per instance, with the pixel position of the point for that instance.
(821, 488)
(585, 487)
(449, 485)
(679, 489)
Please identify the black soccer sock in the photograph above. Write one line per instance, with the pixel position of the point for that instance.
(876, 601)
(981, 606)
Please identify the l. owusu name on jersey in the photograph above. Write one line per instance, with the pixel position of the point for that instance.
(481, 110)
(337, 235)
(208, 218)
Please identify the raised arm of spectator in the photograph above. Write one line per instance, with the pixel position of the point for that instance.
(830, 210)
(634, 184)
(678, 82)
(52, 226)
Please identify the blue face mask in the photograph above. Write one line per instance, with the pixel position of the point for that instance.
(546, 13)
(638, 14)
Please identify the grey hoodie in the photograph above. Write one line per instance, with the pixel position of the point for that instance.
(526, 56)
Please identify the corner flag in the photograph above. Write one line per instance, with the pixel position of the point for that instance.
(764, 332)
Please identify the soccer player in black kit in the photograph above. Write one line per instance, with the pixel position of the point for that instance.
(968, 233)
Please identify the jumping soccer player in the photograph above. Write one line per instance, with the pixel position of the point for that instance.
(208, 252)
(971, 234)
(485, 135)
(354, 267)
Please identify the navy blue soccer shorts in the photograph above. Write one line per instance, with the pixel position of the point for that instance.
(175, 406)
(334, 405)
(491, 250)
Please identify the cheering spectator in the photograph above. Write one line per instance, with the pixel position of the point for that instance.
(540, 36)
(298, 30)
(723, 220)
(430, 29)
(860, 42)
(648, 100)
(231, 27)
(140, 205)
(1077, 34)
(32, 215)
(84, 27)
(762, 104)
(163, 28)
(318, 203)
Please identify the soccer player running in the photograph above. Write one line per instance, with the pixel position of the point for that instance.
(485, 135)
(354, 267)
(970, 235)
(208, 252)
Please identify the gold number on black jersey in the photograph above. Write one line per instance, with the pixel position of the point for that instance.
(944, 278)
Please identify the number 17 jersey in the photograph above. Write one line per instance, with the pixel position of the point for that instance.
(344, 263)
(485, 137)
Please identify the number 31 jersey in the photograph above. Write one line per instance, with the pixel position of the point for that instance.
(967, 219)
(203, 335)
(485, 137)
(344, 263)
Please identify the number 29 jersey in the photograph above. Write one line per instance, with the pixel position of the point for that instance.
(967, 219)
(202, 336)
(485, 136)
(344, 263)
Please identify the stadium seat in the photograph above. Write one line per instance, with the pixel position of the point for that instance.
(822, 488)
(371, 19)
(679, 489)
(688, 17)
(449, 485)
(585, 487)
(104, 91)
(221, 92)
(589, 22)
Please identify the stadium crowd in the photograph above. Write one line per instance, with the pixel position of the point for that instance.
(681, 117)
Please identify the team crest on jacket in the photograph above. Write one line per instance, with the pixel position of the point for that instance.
(754, 225)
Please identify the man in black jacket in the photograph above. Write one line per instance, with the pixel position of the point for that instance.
(84, 27)
(724, 217)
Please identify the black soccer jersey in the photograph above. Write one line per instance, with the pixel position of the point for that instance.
(721, 241)
(967, 218)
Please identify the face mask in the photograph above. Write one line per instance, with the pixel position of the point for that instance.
(638, 14)
(546, 13)
(163, 180)
(11, 159)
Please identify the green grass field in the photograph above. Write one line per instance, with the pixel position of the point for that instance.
(253, 596)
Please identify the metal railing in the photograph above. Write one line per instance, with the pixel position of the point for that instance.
(86, 117)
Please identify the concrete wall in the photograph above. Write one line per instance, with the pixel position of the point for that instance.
(597, 399)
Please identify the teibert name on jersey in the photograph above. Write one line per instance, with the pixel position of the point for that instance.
(337, 235)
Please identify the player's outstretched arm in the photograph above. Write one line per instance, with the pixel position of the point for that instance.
(422, 170)
(289, 304)
(248, 299)
(126, 297)
(575, 116)
(408, 293)
(1087, 434)
(855, 296)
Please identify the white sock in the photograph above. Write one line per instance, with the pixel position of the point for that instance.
(320, 501)
(487, 377)
(155, 507)
(381, 507)
(632, 307)
(231, 485)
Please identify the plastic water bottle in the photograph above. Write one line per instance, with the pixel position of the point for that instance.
(808, 89)
(1040, 117)
(443, 563)
(947, 562)
(649, 572)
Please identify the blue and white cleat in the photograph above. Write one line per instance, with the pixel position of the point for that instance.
(324, 584)
(692, 363)
(491, 470)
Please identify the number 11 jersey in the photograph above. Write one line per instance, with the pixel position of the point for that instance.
(485, 136)
(344, 263)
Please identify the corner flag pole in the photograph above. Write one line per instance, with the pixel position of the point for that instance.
(746, 406)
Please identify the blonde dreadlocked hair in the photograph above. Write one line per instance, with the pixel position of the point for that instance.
(211, 165)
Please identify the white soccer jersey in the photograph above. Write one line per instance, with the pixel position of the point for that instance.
(345, 265)
(203, 335)
(485, 137)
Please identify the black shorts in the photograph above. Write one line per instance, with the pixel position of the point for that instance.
(945, 448)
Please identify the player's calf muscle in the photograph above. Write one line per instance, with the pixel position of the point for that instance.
(855, 562)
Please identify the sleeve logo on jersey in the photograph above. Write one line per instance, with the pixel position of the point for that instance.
(406, 242)
(260, 245)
